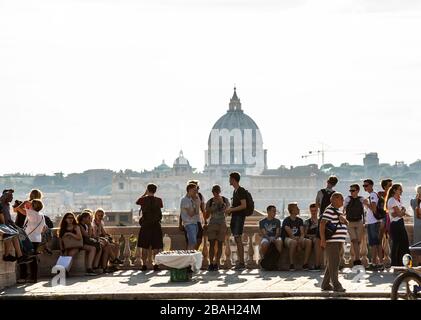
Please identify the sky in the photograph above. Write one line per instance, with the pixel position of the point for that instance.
(127, 84)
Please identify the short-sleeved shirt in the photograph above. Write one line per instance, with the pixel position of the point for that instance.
(311, 227)
(391, 203)
(332, 215)
(270, 226)
(217, 210)
(187, 203)
(5, 210)
(155, 215)
(238, 195)
(370, 218)
(294, 225)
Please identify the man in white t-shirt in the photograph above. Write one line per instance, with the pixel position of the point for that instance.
(373, 225)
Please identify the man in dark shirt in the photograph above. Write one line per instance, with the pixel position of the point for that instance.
(293, 234)
(311, 226)
(270, 229)
(5, 218)
(238, 216)
(150, 234)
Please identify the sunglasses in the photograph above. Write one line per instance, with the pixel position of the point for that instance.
(352, 190)
(365, 185)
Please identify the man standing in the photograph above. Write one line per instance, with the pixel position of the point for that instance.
(190, 215)
(373, 225)
(238, 216)
(333, 217)
(323, 196)
(217, 228)
(150, 234)
(200, 200)
(354, 212)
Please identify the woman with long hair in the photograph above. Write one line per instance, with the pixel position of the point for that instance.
(396, 211)
(69, 228)
(90, 245)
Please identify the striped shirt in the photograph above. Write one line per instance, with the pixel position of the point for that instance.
(332, 215)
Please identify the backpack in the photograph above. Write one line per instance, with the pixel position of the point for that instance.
(354, 210)
(380, 212)
(325, 200)
(271, 258)
(250, 204)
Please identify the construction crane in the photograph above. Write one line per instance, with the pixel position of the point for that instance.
(322, 152)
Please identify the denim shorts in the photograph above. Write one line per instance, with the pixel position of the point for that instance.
(373, 232)
(191, 231)
(237, 224)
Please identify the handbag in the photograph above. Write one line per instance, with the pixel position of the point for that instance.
(331, 228)
(72, 243)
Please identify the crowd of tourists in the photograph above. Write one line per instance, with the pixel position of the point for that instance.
(333, 218)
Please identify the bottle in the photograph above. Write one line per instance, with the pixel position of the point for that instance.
(167, 243)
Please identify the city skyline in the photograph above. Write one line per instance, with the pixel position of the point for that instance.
(127, 92)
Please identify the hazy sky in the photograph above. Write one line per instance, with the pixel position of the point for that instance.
(125, 84)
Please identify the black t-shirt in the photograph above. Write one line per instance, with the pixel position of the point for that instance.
(237, 196)
(311, 226)
(294, 225)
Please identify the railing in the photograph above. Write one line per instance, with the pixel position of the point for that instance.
(131, 255)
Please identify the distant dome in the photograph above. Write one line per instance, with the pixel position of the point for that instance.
(235, 143)
(235, 118)
(163, 166)
(181, 161)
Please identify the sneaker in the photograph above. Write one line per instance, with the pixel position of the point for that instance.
(211, 267)
(9, 258)
(291, 267)
(371, 267)
(48, 251)
(357, 262)
(339, 289)
(239, 267)
(315, 269)
(90, 272)
(24, 259)
(144, 268)
(156, 267)
(328, 288)
(215, 267)
(305, 267)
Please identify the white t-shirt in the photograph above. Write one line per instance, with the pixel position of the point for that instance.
(370, 218)
(35, 225)
(390, 205)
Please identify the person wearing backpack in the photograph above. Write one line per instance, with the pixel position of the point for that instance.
(354, 212)
(323, 195)
(270, 229)
(238, 212)
(217, 228)
(374, 215)
(150, 234)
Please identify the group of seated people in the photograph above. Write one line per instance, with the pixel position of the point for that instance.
(294, 234)
(86, 232)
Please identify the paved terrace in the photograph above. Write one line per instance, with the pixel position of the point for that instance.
(225, 284)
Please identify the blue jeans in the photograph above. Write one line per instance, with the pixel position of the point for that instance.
(191, 231)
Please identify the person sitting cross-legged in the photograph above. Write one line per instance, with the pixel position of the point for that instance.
(270, 229)
(293, 234)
